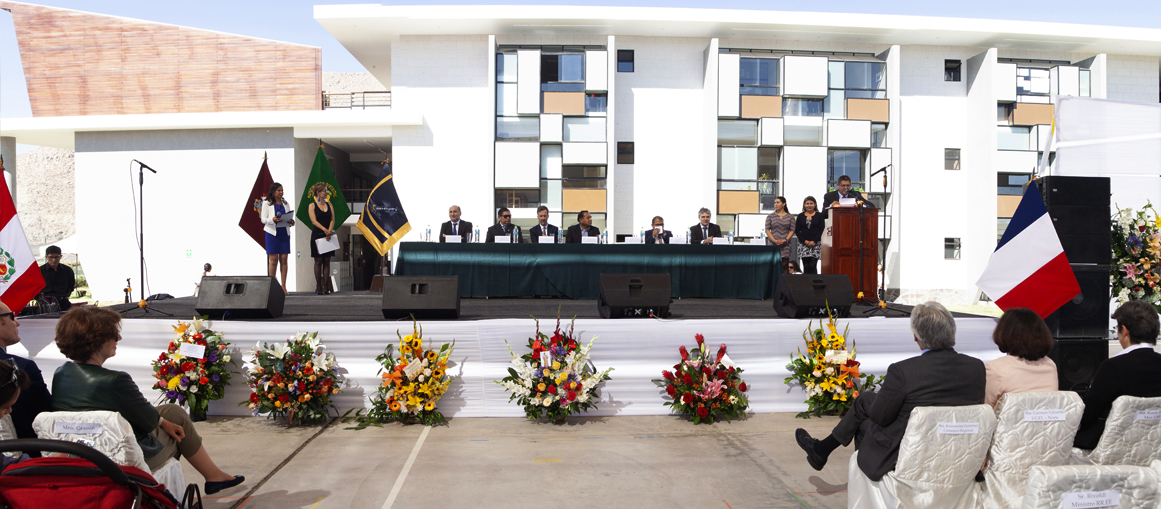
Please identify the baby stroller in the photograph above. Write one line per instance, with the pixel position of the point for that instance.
(88, 480)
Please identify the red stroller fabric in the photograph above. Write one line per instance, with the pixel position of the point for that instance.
(54, 483)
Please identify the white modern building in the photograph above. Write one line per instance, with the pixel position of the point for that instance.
(628, 113)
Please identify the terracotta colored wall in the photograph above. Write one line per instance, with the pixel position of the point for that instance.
(78, 63)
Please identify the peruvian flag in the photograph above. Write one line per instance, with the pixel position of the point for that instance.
(1028, 268)
(20, 278)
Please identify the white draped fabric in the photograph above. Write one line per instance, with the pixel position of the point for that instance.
(637, 350)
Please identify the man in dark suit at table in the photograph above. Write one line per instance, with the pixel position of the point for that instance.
(705, 231)
(542, 228)
(455, 226)
(877, 421)
(33, 400)
(504, 228)
(658, 235)
(843, 191)
(583, 228)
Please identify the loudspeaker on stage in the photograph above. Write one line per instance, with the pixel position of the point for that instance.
(634, 295)
(809, 295)
(425, 297)
(240, 297)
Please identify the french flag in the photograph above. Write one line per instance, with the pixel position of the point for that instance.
(20, 278)
(1028, 268)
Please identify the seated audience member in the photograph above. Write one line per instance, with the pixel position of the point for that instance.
(504, 227)
(1135, 371)
(877, 421)
(1026, 340)
(35, 398)
(704, 231)
(13, 382)
(658, 235)
(542, 228)
(455, 226)
(583, 228)
(59, 280)
(88, 337)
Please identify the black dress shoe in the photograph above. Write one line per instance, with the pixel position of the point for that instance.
(816, 460)
(216, 486)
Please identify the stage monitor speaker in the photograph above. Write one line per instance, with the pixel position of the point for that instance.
(1077, 361)
(634, 295)
(1087, 314)
(240, 297)
(425, 297)
(1079, 209)
(809, 295)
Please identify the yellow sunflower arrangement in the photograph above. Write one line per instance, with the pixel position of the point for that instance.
(828, 371)
(413, 382)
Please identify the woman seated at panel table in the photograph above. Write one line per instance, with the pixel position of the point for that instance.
(88, 337)
(1026, 340)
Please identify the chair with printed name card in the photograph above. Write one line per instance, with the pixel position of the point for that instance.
(1082, 486)
(1132, 435)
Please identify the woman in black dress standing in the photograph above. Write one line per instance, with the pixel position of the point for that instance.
(322, 218)
(808, 227)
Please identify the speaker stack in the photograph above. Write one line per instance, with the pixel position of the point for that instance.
(240, 297)
(810, 295)
(1079, 209)
(634, 296)
(425, 297)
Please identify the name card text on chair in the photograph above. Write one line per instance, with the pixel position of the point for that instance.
(1148, 415)
(1049, 415)
(77, 428)
(1086, 499)
(959, 428)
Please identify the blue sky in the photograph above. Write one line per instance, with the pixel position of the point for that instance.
(293, 21)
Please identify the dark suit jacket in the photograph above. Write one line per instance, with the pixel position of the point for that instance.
(664, 237)
(497, 230)
(573, 234)
(465, 230)
(936, 378)
(535, 233)
(1132, 374)
(817, 225)
(33, 400)
(833, 196)
(84, 387)
(695, 232)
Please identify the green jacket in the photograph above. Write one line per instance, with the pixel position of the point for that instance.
(84, 387)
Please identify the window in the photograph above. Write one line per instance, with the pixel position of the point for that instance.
(584, 129)
(624, 60)
(1004, 113)
(1011, 184)
(951, 159)
(1001, 226)
(802, 135)
(624, 152)
(562, 68)
(738, 164)
(878, 135)
(1014, 138)
(518, 129)
(583, 177)
(768, 158)
(951, 70)
(866, 80)
(517, 198)
(1085, 83)
(802, 107)
(845, 162)
(506, 67)
(951, 248)
(1032, 81)
(738, 132)
(596, 105)
(759, 76)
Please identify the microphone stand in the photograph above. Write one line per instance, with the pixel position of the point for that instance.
(881, 301)
(142, 304)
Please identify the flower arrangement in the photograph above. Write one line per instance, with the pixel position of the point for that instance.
(412, 384)
(1137, 256)
(294, 379)
(828, 372)
(705, 385)
(191, 379)
(556, 378)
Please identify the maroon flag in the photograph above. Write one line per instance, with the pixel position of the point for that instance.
(251, 220)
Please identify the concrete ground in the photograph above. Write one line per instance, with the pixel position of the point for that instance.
(606, 462)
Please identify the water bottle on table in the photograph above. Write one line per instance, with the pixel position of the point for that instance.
(476, 235)
(731, 236)
(427, 236)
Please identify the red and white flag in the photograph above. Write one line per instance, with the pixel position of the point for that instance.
(20, 278)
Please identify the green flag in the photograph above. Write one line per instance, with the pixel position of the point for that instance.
(321, 172)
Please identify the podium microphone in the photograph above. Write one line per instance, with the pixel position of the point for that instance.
(146, 166)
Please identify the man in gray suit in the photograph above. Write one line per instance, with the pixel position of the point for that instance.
(937, 377)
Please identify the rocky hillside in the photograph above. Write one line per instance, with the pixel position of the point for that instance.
(45, 195)
(337, 82)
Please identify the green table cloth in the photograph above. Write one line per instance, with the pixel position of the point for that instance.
(572, 270)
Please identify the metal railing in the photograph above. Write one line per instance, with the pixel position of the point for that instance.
(357, 100)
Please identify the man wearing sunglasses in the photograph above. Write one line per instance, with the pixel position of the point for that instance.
(504, 228)
(59, 280)
(33, 400)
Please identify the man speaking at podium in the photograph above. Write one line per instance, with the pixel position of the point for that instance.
(831, 199)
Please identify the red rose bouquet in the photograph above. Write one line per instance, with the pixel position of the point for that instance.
(295, 379)
(555, 378)
(706, 385)
(194, 369)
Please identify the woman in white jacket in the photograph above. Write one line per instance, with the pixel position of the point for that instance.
(277, 231)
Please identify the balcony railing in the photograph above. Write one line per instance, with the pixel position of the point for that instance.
(357, 100)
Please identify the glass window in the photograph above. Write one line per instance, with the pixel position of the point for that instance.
(951, 248)
(550, 195)
(596, 104)
(866, 76)
(845, 162)
(759, 76)
(549, 68)
(506, 99)
(1011, 184)
(736, 185)
(590, 129)
(1004, 112)
(624, 60)
(802, 107)
(550, 160)
(572, 68)
(866, 94)
(878, 135)
(834, 106)
(951, 159)
(518, 128)
(506, 67)
(583, 172)
(768, 164)
(585, 184)
(518, 198)
(738, 132)
(1032, 81)
(836, 71)
(562, 87)
(624, 152)
(738, 163)
(1001, 226)
(951, 70)
(1085, 82)
(803, 135)
(1014, 138)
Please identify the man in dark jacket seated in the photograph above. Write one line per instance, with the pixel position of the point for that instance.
(1132, 372)
(877, 421)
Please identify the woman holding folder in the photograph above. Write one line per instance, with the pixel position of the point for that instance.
(322, 218)
(277, 231)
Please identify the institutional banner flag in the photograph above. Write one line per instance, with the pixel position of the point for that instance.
(251, 221)
(321, 172)
(20, 278)
(383, 222)
(1028, 268)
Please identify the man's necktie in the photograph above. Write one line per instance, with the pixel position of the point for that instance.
(704, 232)
(454, 229)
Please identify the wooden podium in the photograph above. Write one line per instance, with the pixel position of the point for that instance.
(840, 247)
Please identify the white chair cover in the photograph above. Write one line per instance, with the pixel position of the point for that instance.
(1047, 486)
(1022, 441)
(115, 440)
(1128, 438)
(934, 468)
(172, 476)
(8, 432)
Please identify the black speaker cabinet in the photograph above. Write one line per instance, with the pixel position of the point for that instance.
(1079, 209)
(1087, 314)
(426, 297)
(240, 297)
(634, 295)
(1077, 361)
(809, 295)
